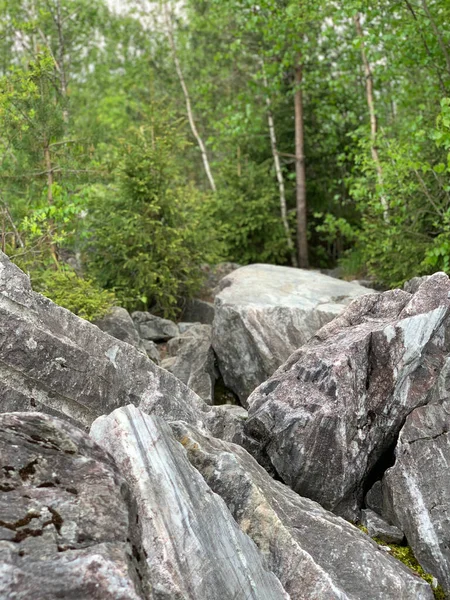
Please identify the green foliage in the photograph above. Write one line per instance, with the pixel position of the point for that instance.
(247, 215)
(406, 556)
(156, 237)
(67, 289)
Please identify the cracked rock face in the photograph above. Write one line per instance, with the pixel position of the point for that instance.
(54, 362)
(315, 555)
(63, 519)
(193, 548)
(416, 490)
(328, 415)
(264, 313)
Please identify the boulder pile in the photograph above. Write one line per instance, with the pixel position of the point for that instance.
(120, 479)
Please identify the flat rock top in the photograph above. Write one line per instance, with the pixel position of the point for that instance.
(273, 286)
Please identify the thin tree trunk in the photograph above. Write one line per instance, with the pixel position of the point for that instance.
(50, 181)
(62, 67)
(300, 173)
(437, 33)
(187, 98)
(373, 116)
(279, 172)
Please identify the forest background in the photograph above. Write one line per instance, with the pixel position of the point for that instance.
(140, 140)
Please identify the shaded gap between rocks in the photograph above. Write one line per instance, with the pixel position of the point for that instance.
(385, 462)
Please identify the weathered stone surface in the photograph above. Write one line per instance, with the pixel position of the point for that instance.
(153, 328)
(64, 520)
(119, 324)
(336, 406)
(193, 360)
(379, 528)
(414, 284)
(417, 488)
(55, 362)
(264, 313)
(152, 351)
(316, 555)
(193, 547)
(374, 498)
(183, 327)
(199, 311)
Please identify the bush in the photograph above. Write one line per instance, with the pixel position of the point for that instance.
(81, 296)
(150, 248)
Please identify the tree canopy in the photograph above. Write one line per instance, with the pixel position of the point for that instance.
(139, 141)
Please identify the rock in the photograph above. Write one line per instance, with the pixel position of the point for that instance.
(315, 555)
(193, 361)
(199, 311)
(333, 410)
(153, 328)
(152, 351)
(374, 498)
(193, 548)
(183, 327)
(55, 362)
(264, 313)
(417, 488)
(119, 324)
(235, 410)
(414, 284)
(64, 519)
(379, 528)
(214, 275)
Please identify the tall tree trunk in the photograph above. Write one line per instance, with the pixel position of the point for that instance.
(373, 116)
(278, 171)
(300, 173)
(61, 59)
(187, 98)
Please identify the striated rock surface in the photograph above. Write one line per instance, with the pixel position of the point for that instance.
(55, 362)
(264, 313)
(193, 360)
(192, 546)
(316, 555)
(119, 324)
(416, 489)
(329, 414)
(63, 517)
(153, 328)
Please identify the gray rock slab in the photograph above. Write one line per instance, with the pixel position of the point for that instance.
(153, 328)
(316, 555)
(377, 527)
(328, 415)
(193, 547)
(55, 362)
(119, 324)
(264, 313)
(65, 522)
(417, 488)
(193, 360)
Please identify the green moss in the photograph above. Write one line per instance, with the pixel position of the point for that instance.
(406, 556)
